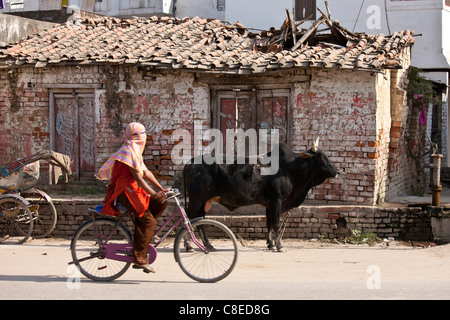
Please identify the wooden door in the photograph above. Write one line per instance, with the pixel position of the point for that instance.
(86, 125)
(253, 109)
(273, 106)
(74, 131)
(236, 111)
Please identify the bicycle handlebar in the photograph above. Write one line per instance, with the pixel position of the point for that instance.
(172, 192)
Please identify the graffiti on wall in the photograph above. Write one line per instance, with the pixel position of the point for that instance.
(346, 113)
(75, 132)
(165, 113)
(86, 124)
(65, 128)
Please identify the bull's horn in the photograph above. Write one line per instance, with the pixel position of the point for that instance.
(315, 145)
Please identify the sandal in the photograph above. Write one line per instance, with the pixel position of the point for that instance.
(146, 268)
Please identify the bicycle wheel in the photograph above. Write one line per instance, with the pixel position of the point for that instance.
(217, 261)
(16, 221)
(89, 251)
(44, 212)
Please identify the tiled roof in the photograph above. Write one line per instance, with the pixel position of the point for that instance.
(200, 45)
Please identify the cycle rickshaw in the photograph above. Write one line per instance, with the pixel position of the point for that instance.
(25, 210)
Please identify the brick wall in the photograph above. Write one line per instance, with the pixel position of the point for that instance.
(305, 222)
(346, 109)
(361, 119)
(163, 102)
(350, 111)
(23, 116)
(402, 170)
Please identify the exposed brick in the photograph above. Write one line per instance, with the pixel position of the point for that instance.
(372, 155)
(333, 216)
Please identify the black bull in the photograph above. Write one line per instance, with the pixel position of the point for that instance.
(236, 185)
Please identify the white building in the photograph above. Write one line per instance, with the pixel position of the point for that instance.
(122, 8)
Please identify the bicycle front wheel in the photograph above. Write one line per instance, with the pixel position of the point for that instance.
(89, 252)
(217, 261)
(16, 221)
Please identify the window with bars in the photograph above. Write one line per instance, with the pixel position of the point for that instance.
(252, 109)
(220, 5)
(305, 8)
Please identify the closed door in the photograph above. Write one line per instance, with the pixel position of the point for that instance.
(74, 131)
(253, 109)
(273, 111)
(236, 111)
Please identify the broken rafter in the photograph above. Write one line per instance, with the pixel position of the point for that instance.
(328, 10)
(339, 36)
(344, 30)
(304, 20)
(291, 23)
(288, 37)
(308, 33)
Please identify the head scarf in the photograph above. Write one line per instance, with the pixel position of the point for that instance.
(130, 153)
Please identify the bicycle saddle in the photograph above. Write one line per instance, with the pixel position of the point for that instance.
(119, 206)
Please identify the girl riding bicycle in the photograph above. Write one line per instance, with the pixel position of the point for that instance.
(128, 178)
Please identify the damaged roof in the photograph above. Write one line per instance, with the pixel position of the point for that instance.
(207, 45)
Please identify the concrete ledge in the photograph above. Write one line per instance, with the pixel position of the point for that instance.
(304, 222)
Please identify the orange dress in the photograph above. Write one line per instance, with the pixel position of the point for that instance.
(123, 181)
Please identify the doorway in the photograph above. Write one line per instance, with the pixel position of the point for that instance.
(73, 130)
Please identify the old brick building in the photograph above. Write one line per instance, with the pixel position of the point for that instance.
(73, 88)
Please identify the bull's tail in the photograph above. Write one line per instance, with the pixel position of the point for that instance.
(185, 197)
(184, 184)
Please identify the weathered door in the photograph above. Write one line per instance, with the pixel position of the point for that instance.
(273, 110)
(236, 112)
(74, 131)
(253, 109)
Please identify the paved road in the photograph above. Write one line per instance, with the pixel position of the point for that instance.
(39, 270)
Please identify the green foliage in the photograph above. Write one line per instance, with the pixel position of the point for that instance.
(420, 89)
(358, 237)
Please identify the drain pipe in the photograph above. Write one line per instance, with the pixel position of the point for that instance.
(436, 186)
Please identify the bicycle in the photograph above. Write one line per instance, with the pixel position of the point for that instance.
(102, 247)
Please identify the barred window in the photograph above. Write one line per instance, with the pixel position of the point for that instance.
(304, 8)
(220, 5)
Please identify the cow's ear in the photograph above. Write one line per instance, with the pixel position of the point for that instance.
(305, 155)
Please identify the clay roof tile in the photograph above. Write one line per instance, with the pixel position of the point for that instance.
(198, 44)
